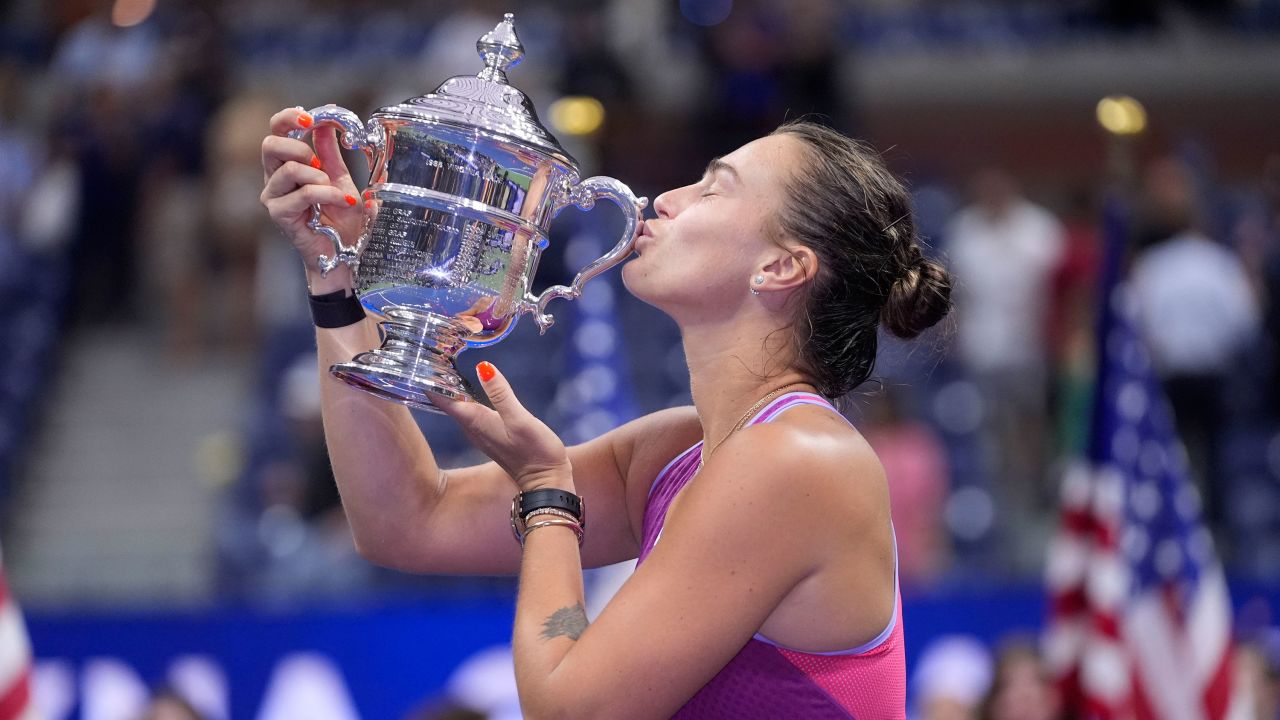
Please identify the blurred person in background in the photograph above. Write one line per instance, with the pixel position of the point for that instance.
(1197, 311)
(177, 221)
(243, 236)
(951, 678)
(1257, 677)
(168, 704)
(304, 536)
(22, 156)
(767, 60)
(101, 73)
(1021, 687)
(915, 465)
(1072, 320)
(801, 221)
(1260, 245)
(1005, 250)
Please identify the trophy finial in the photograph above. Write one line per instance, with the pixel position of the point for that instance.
(500, 49)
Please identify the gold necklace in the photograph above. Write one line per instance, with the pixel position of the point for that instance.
(742, 421)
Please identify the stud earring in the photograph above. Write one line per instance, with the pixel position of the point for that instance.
(759, 280)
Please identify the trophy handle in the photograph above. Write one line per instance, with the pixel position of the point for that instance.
(584, 195)
(354, 136)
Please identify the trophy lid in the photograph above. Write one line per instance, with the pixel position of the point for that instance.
(486, 101)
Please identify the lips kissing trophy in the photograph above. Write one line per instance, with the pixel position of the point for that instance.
(464, 183)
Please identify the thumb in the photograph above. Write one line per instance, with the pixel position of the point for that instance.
(499, 392)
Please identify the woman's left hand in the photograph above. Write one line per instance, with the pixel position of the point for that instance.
(520, 443)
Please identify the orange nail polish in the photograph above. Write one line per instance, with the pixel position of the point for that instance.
(351, 200)
(486, 371)
(368, 194)
(315, 162)
(305, 120)
(368, 204)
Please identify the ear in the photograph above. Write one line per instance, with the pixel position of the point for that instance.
(793, 266)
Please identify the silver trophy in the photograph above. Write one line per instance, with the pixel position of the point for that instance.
(464, 184)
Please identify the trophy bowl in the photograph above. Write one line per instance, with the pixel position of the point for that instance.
(463, 184)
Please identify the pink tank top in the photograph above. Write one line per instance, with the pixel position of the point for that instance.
(766, 680)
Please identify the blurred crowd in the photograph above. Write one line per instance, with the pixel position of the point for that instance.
(129, 178)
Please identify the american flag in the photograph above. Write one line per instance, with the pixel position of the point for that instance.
(1140, 617)
(15, 659)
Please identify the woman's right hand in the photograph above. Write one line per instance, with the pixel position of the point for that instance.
(296, 178)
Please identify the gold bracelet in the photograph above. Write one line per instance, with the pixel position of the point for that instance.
(577, 529)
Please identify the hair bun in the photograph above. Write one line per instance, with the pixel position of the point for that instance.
(918, 299)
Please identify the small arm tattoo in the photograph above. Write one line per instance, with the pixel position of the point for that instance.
(569, 621)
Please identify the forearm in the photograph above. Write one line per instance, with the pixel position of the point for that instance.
(386, 473)
(550, 617)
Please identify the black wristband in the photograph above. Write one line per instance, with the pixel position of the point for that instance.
(335, 310)
(550, 498)
(526, 502)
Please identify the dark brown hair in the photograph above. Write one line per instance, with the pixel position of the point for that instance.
(847, 207)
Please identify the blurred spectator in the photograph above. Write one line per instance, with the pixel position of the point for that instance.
(167, 704)
(1071, 323)
(1257, 678)
(1022, 688)
(951, 677)
(174, 215)
(915, 465)
(769, 62)
(1197, 312)
(1268, 262)
(97, 53)
(240, 230)
(21, 159)
(451, 48)
(101, 71)
(291, 540)
(1004, 250)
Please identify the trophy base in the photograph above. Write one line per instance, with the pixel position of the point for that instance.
(415, 362)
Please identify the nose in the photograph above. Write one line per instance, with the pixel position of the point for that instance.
(663, 204)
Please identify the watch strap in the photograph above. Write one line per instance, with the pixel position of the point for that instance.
(550, 498)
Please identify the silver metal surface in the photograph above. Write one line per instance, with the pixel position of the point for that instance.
(464, 183)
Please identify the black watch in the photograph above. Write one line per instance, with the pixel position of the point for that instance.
(526, 502)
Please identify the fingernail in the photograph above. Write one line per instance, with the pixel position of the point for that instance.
(315, 162)
(368, 194)
(351, 200)
(305, 120)
(486, 371)
(368, 204)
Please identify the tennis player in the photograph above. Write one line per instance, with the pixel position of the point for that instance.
(767, 579)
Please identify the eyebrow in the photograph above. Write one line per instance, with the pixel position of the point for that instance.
(718, 164)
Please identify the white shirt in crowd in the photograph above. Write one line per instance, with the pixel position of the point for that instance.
(1004, 266)
(1195, 306)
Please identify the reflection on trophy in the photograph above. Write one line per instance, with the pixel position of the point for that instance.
(465, 182)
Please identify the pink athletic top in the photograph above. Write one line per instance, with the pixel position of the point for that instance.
(766, 680)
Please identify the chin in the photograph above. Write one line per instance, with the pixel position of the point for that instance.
(635, 280)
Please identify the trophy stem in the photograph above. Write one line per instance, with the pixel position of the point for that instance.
(415, 361)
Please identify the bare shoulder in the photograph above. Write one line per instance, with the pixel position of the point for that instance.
(810, 463)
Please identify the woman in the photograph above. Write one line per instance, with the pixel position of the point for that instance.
(767, 579)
